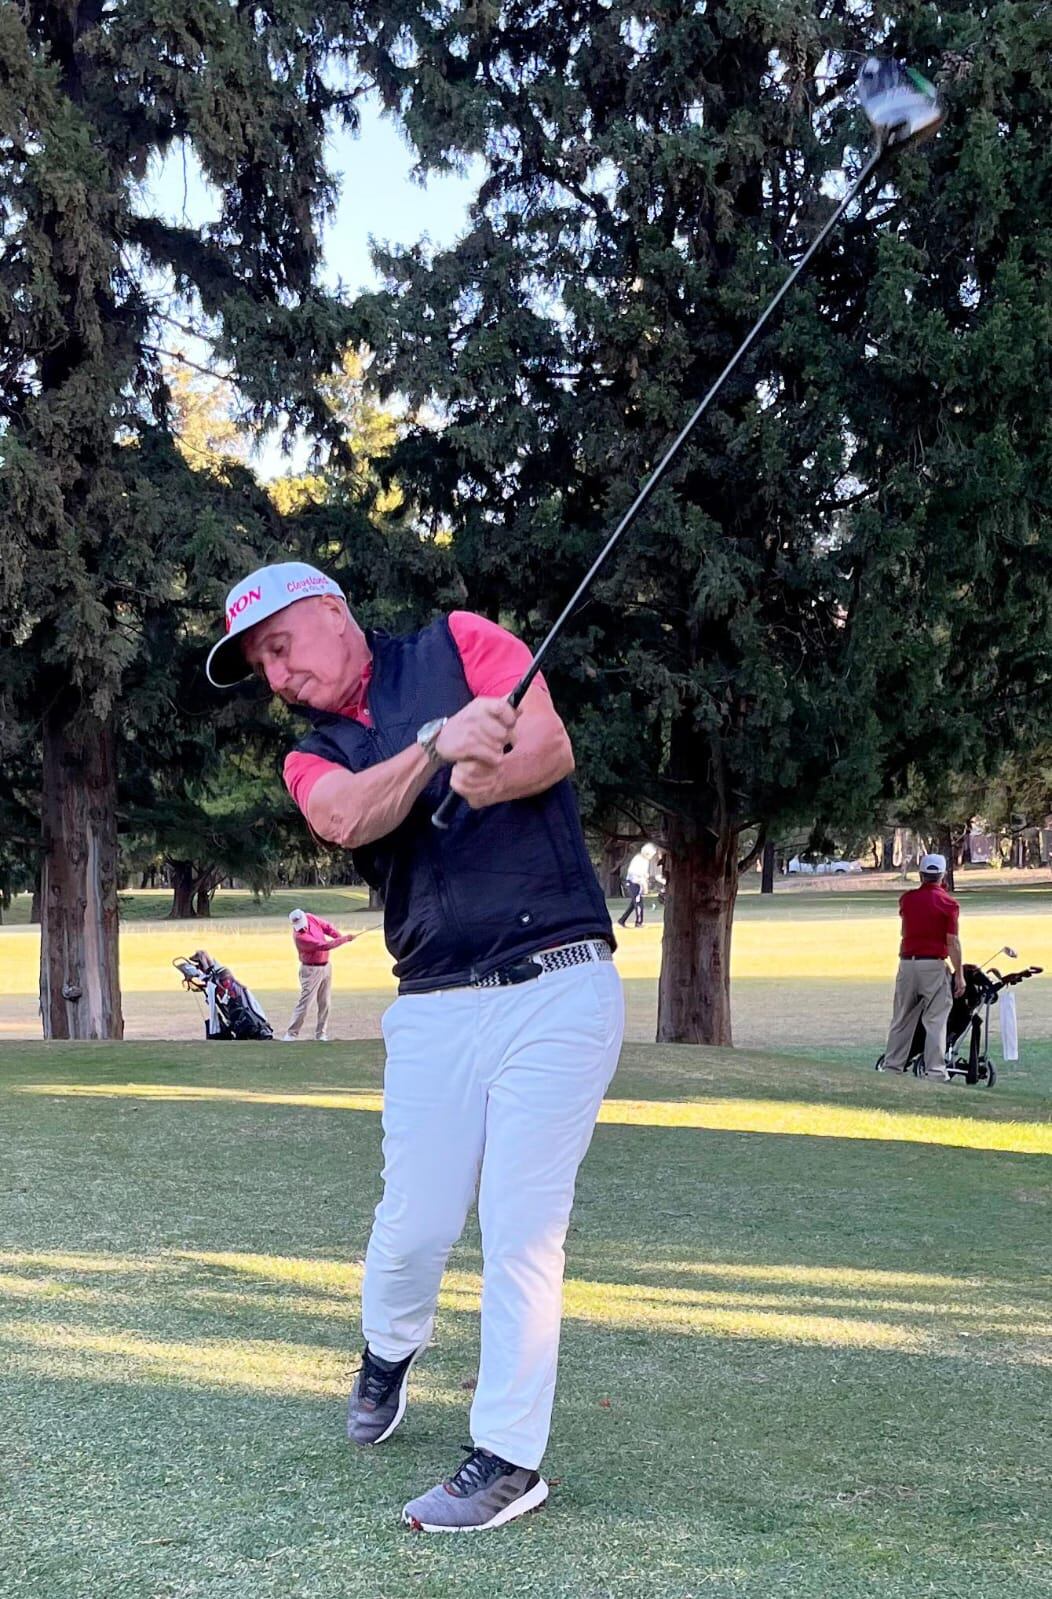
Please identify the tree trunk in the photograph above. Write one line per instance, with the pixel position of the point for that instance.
(182, 890)
(80, 993)
(946, 848)
(694, 987)
(767, 873)
(376, 900)
(203, 905)
(610, 873)
(34, 909)
(887, 852)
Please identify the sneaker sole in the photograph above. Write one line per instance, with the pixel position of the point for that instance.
(519, 1507)
(403, 1401)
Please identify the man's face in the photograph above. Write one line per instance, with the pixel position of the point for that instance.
(311, 653)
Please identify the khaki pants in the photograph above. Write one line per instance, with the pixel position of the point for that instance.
(922, 989)
(315, 983)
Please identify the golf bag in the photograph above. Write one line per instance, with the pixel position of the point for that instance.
(232, 1009)
(968, 1027)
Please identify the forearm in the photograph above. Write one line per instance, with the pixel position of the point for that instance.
(355, 808)
(953, 945)
(540, 759)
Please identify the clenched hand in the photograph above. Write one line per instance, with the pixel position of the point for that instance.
(479, 735)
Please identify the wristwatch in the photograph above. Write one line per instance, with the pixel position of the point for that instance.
(427, 738)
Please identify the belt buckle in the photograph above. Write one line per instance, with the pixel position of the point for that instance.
(523, 971)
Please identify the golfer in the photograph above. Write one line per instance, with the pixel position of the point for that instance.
(637, 879)
(509, 1016)
(922, 988)
(314, 939)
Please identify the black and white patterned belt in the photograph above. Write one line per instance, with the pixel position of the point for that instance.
(546, 960)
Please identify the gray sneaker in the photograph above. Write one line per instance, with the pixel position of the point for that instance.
(378, 1398)
(486, 1492)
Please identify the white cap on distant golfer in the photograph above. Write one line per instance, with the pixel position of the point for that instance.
(930, 864)
(298, 918)
(256, 597)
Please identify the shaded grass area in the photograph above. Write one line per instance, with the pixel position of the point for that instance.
(793, 1364)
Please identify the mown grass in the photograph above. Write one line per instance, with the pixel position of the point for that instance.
(806, 1351)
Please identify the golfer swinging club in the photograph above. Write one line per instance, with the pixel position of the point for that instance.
(314, 940)
(509, 1016)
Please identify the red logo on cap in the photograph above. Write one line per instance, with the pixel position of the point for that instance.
(243, 600)
(318, 581)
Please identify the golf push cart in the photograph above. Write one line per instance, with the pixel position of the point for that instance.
(968, 1029)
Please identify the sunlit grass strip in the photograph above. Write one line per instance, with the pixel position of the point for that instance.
(335, 1286)
(337, 1275)
(260, 1365)
(851, 944)
(801, 1119)
(795, 1118)
(368, 1101)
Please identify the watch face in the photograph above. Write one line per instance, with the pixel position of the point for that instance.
(430, 730)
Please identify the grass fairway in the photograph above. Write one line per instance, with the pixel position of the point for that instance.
(806, 1350)
(813, 965)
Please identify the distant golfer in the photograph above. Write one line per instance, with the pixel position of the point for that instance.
(922, 988)
(508, 1022)
(637, 881)
(314, 939)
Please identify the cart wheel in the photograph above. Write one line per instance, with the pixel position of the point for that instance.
(991, 1074)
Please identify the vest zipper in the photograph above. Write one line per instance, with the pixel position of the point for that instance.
(445, 898)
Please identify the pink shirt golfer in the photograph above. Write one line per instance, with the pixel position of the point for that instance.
(315, 941)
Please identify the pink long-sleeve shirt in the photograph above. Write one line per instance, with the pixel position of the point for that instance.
(314, 941)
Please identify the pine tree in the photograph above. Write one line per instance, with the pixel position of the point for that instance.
(847, 577)
(110, 541)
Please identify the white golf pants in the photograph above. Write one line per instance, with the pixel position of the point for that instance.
(496, 1089)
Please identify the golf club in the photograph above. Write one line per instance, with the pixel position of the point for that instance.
(1006, 949)
(903, 108)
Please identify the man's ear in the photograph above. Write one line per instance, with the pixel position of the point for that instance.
(338, 614)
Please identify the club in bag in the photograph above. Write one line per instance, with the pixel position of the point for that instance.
(903, 108)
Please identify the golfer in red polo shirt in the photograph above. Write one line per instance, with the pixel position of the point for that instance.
(313, 939)
(922, 989)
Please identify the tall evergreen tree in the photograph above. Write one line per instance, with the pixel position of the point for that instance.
(849, 572)
(105, 528)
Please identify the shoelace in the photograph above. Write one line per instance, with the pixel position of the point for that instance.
(376, 1381)
(477, 1472)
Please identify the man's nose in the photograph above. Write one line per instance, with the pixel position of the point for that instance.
(277, 675)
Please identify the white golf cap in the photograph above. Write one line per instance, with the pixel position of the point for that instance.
(932, 864)
(257, 596)
(298, 918)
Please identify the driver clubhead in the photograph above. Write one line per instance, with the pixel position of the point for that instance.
(902, 106)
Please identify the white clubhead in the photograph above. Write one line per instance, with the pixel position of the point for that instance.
(901, 104)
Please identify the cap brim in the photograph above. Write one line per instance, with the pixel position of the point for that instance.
(226, 666)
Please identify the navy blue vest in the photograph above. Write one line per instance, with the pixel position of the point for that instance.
(502, 882)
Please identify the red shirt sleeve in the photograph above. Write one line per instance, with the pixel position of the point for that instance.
(308, 942)
(301, 772)
(328, 929)
(953, 916)
(493, 659)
